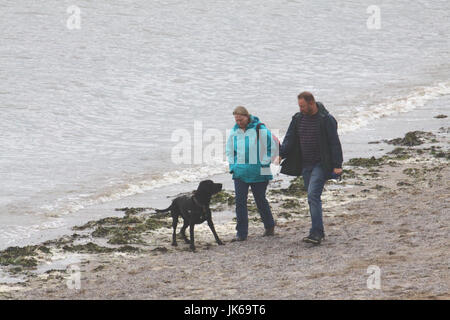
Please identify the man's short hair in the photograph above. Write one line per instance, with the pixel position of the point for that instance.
(307, 96)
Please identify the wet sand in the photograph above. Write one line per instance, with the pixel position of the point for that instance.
(390, 214)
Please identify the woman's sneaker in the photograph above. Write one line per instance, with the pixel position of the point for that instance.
(238, 239)
(269, 232)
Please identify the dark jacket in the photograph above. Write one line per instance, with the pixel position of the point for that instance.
(330, 146)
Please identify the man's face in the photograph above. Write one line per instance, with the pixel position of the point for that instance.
(241, 120)
(305, 107)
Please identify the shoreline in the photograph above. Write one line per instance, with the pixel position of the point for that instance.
(376, 216)
(355, 144)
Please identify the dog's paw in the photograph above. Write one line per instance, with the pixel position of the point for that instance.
(174, 244)
(220, 243)
(192, 249)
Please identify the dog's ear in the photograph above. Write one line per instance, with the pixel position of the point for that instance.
(205, 185)
(217, 187)
(205, 191)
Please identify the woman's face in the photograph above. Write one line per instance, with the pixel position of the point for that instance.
(242, 121)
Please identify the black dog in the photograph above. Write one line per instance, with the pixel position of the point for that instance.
(194, 210)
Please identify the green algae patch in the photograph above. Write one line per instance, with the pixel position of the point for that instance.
(108, 221)
(95, 248)
(129, 232)
(444, 155)
(398, 153)
(125, 230)
(223, 198)
(123, 236)
(290, 204)
(379, 187)
(21, 256)
(285, 215)
(94, 223)
(132, 211)
(398, 150)
(128, 249)
(412, 138)
(365, 162)
(373, 173)
(295, 189)
(412, 172)
(101, 232)
(435, 152)
(160, 249)
(88, 248)
(62, 241)
(348, 174)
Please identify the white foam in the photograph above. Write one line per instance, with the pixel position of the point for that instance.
(72, 204)
(417, 98)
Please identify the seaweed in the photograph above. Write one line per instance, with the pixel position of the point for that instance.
(412, 172)
(223, 197)
(399, 154)
(412, 138)
(95, 248)
(285, 215)
(290, 204)
(348, 174)
(439, 154)
(378, 187)
(125, 230)
(21, 256)
(295, 189)
(88, 248)
(365, 162)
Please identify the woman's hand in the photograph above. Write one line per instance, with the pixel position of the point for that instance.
(277, 161)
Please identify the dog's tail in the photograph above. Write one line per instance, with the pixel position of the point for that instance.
(164, 210)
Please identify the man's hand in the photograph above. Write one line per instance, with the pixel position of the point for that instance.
(337, 171)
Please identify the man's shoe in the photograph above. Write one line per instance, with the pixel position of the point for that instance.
(313, 240)
(238, 239)
(269, 232)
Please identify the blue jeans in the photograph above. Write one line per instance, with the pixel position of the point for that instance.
(259, 193)
(314, 179)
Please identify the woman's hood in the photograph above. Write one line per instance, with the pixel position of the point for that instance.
(252, 124)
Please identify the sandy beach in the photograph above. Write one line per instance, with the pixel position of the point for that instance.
(389, 214)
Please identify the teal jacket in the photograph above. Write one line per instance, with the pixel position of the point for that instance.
(249, 160)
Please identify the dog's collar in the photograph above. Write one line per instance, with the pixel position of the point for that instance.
(197, 203)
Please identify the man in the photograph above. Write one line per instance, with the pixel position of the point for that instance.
(311, 148)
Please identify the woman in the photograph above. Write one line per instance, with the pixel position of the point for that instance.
(250, 147)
